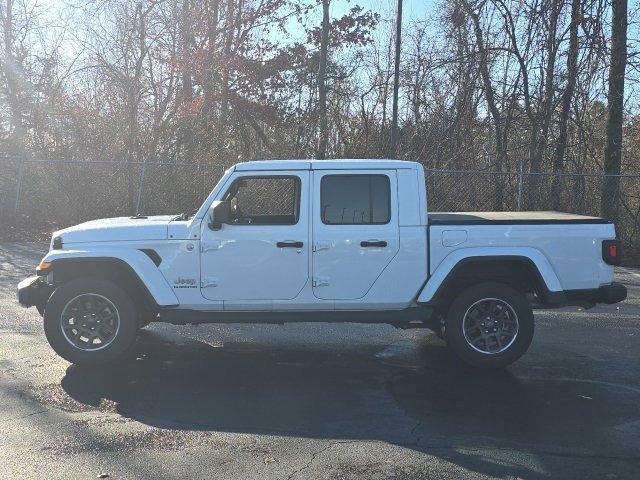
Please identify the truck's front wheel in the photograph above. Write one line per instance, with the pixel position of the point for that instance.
(490, 325)
(90, 321)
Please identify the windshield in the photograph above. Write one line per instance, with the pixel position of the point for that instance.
(202, 210)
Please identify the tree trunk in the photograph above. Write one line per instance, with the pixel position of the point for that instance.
(613, 149)
(222, 134)
(187, 41)
(133, 98)
(567, 96)
(539, 138)
(211, 78)
(322, 84)
(187, 136)
(483, 65)
(11, 70)
(396, 83)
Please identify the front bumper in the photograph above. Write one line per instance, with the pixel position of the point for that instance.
(33, 291)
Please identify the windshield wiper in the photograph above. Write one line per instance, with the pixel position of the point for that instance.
(183, 216)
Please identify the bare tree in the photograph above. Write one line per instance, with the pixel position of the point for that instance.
(613, 150)
(489, 93)
(484, 85)
(322, 83)
(567, 97)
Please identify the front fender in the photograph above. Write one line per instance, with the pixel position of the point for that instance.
(449, 263)
(142, 266)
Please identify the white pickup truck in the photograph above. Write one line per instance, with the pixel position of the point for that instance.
(322, 241)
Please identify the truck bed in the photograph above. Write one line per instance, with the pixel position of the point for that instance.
(511, 218)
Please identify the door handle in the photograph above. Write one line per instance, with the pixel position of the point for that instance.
(289, 244)
(373, 243)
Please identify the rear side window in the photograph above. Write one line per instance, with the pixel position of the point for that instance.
(355, 199)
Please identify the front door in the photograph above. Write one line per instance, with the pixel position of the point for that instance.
(262, 252)
(355, 231)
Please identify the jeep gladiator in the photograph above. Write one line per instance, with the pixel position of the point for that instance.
(322, 241)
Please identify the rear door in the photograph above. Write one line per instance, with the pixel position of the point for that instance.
(355, 230)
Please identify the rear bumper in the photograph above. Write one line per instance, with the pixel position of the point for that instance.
(612, 293)
(33, 291)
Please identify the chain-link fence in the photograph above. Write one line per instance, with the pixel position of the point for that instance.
(66, 192)
(581, 193)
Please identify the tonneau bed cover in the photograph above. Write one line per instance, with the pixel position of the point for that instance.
(510, 218)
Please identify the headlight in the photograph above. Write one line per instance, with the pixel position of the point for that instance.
(44, 268)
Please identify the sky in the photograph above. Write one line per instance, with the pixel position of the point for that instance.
(411, 9)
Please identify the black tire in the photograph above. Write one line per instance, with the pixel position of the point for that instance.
(124, 336)
(143, 323)
(441, 331)
(471, 297)
(146, 316)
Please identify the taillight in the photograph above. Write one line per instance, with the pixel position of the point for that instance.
(612, 252)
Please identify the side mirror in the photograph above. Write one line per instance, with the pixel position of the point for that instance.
(218, 214)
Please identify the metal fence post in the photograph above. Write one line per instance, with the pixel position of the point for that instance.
(16, 206)
(520, 180)
(140, 186)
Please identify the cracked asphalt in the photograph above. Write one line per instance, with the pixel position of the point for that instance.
(321, 401)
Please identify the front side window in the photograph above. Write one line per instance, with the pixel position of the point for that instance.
(264, 201)
(355, 199)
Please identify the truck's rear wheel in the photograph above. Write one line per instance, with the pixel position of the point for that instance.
(90, 321)
(490, 325)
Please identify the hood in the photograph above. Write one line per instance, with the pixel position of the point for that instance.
(117, 229)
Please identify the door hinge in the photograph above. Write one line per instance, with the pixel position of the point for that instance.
(208, 246)
(321, 246)
(208, 282)
(320, 281)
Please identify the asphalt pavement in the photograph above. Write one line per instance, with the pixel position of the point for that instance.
(328, 401)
